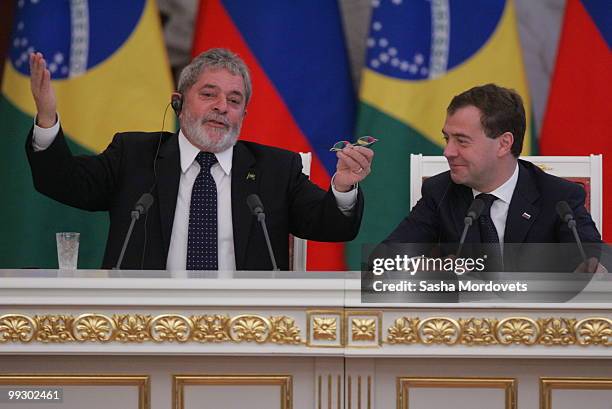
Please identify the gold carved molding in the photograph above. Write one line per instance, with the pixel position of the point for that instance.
(325, 328)
(557, 331)
(363, 329)
(331, 328)
(138, 328)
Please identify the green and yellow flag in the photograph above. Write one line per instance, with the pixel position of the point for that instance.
(419, 55)
(110, 72)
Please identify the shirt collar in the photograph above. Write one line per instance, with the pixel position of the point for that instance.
(188, 153)
(505, 191)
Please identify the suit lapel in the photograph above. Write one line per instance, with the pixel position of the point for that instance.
(245, 181)
(522, 211)
(168, 179)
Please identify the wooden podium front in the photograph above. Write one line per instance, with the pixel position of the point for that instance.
(149, 339)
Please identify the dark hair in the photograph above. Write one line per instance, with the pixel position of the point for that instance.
(501, 110)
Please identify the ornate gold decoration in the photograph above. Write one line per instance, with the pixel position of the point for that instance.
(557, 331)
(249, 328)
(132, 328)
(436, 330)
(325, 328)
(594, 331)
(518, 331)
(477, 331)
(404, 331)
(363, 329)
(211, 328)
(16, 328)
(54, 328)
(170, 328)
(284, 331)
(93, 327)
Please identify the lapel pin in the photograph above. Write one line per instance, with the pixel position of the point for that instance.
(250, 175)
(526, 216)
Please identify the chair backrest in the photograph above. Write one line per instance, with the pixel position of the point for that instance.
(586, 170)
(297, 252)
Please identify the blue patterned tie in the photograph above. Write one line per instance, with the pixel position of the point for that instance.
(202, 236)
(488, 234)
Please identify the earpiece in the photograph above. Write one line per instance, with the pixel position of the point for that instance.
(177, 102)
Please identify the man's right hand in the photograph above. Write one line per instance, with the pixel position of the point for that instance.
(44, 96)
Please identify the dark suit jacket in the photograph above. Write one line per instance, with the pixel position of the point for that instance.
(115, 179)
(438, 217)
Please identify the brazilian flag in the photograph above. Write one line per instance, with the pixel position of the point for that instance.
(110, 73)
(419, 55)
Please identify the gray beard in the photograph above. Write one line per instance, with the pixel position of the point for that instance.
(200, 137)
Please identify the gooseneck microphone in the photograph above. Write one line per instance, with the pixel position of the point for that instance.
(140, 208)
(565, 213)
(257, 210)
(473, 213)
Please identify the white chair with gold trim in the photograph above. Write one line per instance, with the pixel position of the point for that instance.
(586, 170)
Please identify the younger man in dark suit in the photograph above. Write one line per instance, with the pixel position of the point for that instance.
(484, 131)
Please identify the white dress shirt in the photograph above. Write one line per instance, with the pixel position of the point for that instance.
(221, 171)
(499, 208)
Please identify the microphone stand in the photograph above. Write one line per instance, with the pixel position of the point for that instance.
(134, 215)
(261, 218)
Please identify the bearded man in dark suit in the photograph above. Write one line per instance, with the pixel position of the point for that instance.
(199, 177)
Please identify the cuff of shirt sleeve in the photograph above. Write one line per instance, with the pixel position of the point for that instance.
(42, 138)
(345, 200)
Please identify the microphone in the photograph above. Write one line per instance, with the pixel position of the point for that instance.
(140, 208)
(473, 213)
(565, 213)
(257, 210)
(142, 205)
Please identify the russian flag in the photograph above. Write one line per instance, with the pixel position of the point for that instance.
(577, 120)
(303, 99)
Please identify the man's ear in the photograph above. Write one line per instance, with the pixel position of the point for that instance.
(176, 101)
(506, 140)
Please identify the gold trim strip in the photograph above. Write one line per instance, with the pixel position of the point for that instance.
(320, 392)
(284, 381)
(329, 391)
(359, 392)
(404, 384)
(547, 385)
(350, 392)
(140, 381)
(369, 392)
